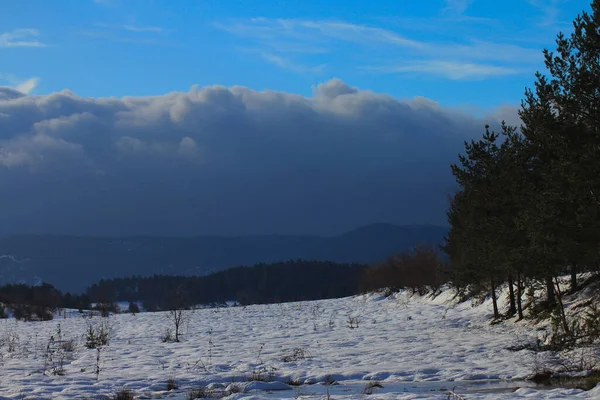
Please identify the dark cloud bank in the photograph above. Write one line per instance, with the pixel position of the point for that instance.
(227, 161)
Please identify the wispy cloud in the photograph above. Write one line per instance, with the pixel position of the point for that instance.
(132, 28)
(265, 28)
(21, 38)
(448, 69)
(288, 64)
(126, 33)
(453, 58)
(102, 35)
(22, 85)
(457, 6)
(550, 11)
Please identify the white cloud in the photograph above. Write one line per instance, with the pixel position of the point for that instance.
(449, 69)
(226, 160)
(24, 86)
(21, 38)
(28, 85)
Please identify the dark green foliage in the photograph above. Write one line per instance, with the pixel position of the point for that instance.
(528, 203)
(98, 335)
(91, 340)
(262, 283)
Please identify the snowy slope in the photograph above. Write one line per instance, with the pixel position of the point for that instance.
(415, 347)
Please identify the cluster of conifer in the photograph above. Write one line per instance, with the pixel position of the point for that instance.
(528, 204)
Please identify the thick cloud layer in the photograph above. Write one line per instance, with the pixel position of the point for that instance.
(223, 160)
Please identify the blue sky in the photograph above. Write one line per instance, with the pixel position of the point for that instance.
(468, 53)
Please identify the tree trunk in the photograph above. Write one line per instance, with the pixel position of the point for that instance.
(519, 295)
(511, 293)
(562, 308)
(494, 300)
(550, 297)
(573, 278)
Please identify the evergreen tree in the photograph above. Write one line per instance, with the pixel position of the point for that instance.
(529, 199)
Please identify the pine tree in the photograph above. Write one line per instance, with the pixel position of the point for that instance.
(561, 126)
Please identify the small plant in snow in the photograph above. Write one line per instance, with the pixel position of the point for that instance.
(296, 354)
(171, 384)
(371, 386)
(203, 392)
(328, 381)
(262, 373)
(11, 340)
(124, 394)
(98, 334)
(133, 308)
(167, 336)
(57, 353)
(210, 346)
(98, 366)
(352, 322)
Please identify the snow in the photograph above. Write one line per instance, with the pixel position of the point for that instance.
(415, 347)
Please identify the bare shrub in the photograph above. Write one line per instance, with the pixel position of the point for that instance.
(124, 394)
(58, 352)
(106, 308)
(167, 336)
(296, 354)
(133, 308)
(67, 345)
(262, 373)
(178, 317)
(201, 392)
(420, 269)
(171, 384)
(28, 312)
(352, 322)
(329, 380)
(371, 386)
(179, 313)
(11, 340)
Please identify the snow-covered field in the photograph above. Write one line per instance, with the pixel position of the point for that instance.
(414, 347)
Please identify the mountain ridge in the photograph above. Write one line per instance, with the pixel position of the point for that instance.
(72, 262)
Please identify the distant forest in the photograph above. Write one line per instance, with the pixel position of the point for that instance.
(420, 269)
(263, 283)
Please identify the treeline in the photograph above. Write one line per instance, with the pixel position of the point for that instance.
(263, 283)
(37, 302)
(528, 204)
